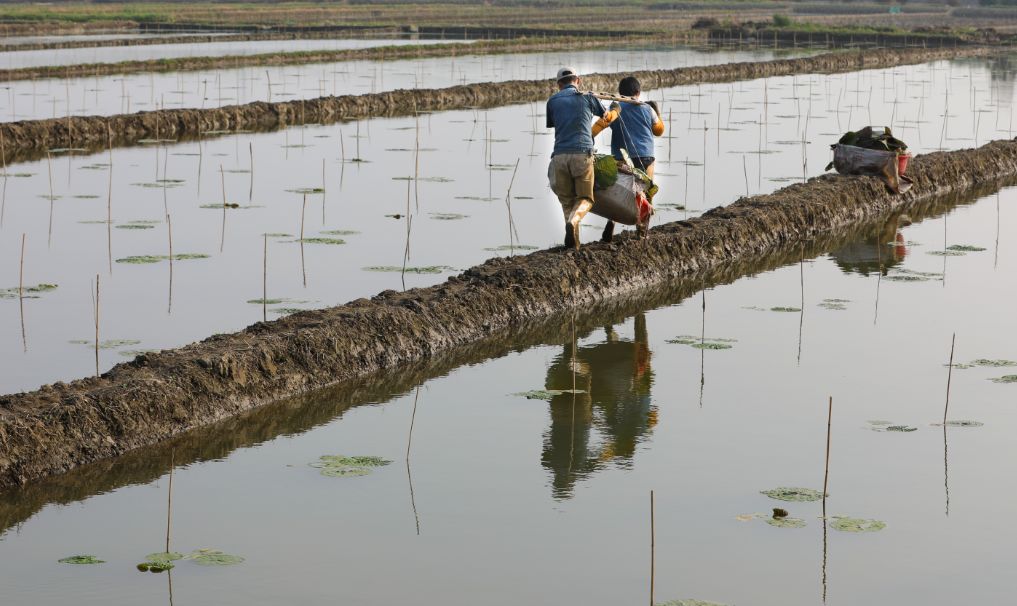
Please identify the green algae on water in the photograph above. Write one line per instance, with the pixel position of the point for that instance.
(81, 559)
(339, 466)
(846, 524)
(793, 494)
(546, 394)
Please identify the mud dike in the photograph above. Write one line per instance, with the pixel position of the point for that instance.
(30, 139)
(160, 395)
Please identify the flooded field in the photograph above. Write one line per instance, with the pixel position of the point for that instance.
(112, 36)
(115, 54)
(107, 95)
(499, 490)
(350, 240)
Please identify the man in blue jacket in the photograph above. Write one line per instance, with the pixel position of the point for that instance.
(570, 113)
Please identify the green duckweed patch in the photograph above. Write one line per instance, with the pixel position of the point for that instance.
(339, 466)
(134, 353)
(163, 561)
(846, 524)
(428, 269)
(81, 559)
(1005, 379)
(546, 394)
(793, 494)
(909, 275)
(318, 240)
(701, 343)
(17, 175)
(993, 363)
(85, 197)
(148, 259)
(786, 309)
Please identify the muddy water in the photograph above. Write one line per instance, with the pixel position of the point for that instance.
(114, 54)
(461, 196)
(35, 99)
(506, 500)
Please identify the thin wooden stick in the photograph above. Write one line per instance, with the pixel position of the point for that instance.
(653, 548)
(513, 235)
(250, 192)
(303, 268)
(409, 476)
(826, 473)
(949, 376)
(169, 232)
(222, 180)
(3, 157)
(416, 165)
(264, 283)
(109, 201)
(96, 325)
(21, 294)
(169, 501)
(49, 168)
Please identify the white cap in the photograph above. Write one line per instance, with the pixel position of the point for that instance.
(566, 72)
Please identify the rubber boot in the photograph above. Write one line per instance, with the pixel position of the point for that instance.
(608, 234)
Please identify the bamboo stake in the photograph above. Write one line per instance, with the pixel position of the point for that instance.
(653, 548)
(222, 180)
(826, 472)
(303, 268)
(409, 477)
(21, 293)
(416, 165)
(264, 281)
(169, 232)
(3, 157)
(169, 501)
(949, 376)
(513, 236)
(49, 168)
(250, 193)
(96, 325)
(109, 201)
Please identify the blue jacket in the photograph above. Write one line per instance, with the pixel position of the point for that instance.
(570, 113)
(634, 132)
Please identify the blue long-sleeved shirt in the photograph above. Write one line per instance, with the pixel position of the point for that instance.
(570, 113)
(633, 131)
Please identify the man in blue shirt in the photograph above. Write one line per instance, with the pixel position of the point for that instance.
(570, 113)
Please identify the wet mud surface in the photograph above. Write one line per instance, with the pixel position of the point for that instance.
(30, 139)
(161, 395)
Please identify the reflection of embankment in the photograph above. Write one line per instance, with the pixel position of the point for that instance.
(33, 137)
(378, 53)
(88, 473)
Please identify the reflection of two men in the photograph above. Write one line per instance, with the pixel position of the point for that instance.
(614, 378)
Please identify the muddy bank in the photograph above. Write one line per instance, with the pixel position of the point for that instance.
(766, 35)
(157, 396)
(296, 415)
(28, 139)
(380, 53)
(167, 39)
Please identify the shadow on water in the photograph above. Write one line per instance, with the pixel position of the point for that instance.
(617, 379)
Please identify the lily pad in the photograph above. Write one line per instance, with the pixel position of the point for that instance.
(845, 524)
(785, 493)
(214, 557)
(700, 343)
(1005, 379)
(786, 309)
(339, 466)
(786, 522)
(164, 557)
(81, 559)
(546, 394)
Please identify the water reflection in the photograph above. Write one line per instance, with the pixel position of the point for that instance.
(612, 380)
(878, 251)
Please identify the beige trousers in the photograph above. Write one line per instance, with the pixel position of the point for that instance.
(571, 179)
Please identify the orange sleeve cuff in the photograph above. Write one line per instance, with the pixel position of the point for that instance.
(604, 122)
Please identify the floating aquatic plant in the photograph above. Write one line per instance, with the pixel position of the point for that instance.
(146, 259)
(993, 363)
(1005, 379)
(214, 557)
(946, 253)
(81, 559)
(546, 394)
(278, 235)
(161, 183)
(428, 269)
(786, 309)
(341, 232)
(334, 241)
(846, 524)
(960, 423)
(700, 343)
(786, 522)
(108, 344)
(339, 466)
(307, 190)
(793, 494)
(964, 248)
(31, 292)
(448, 216)
(285, 311)
(834, 304)
(428, 179)
(910, 275)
